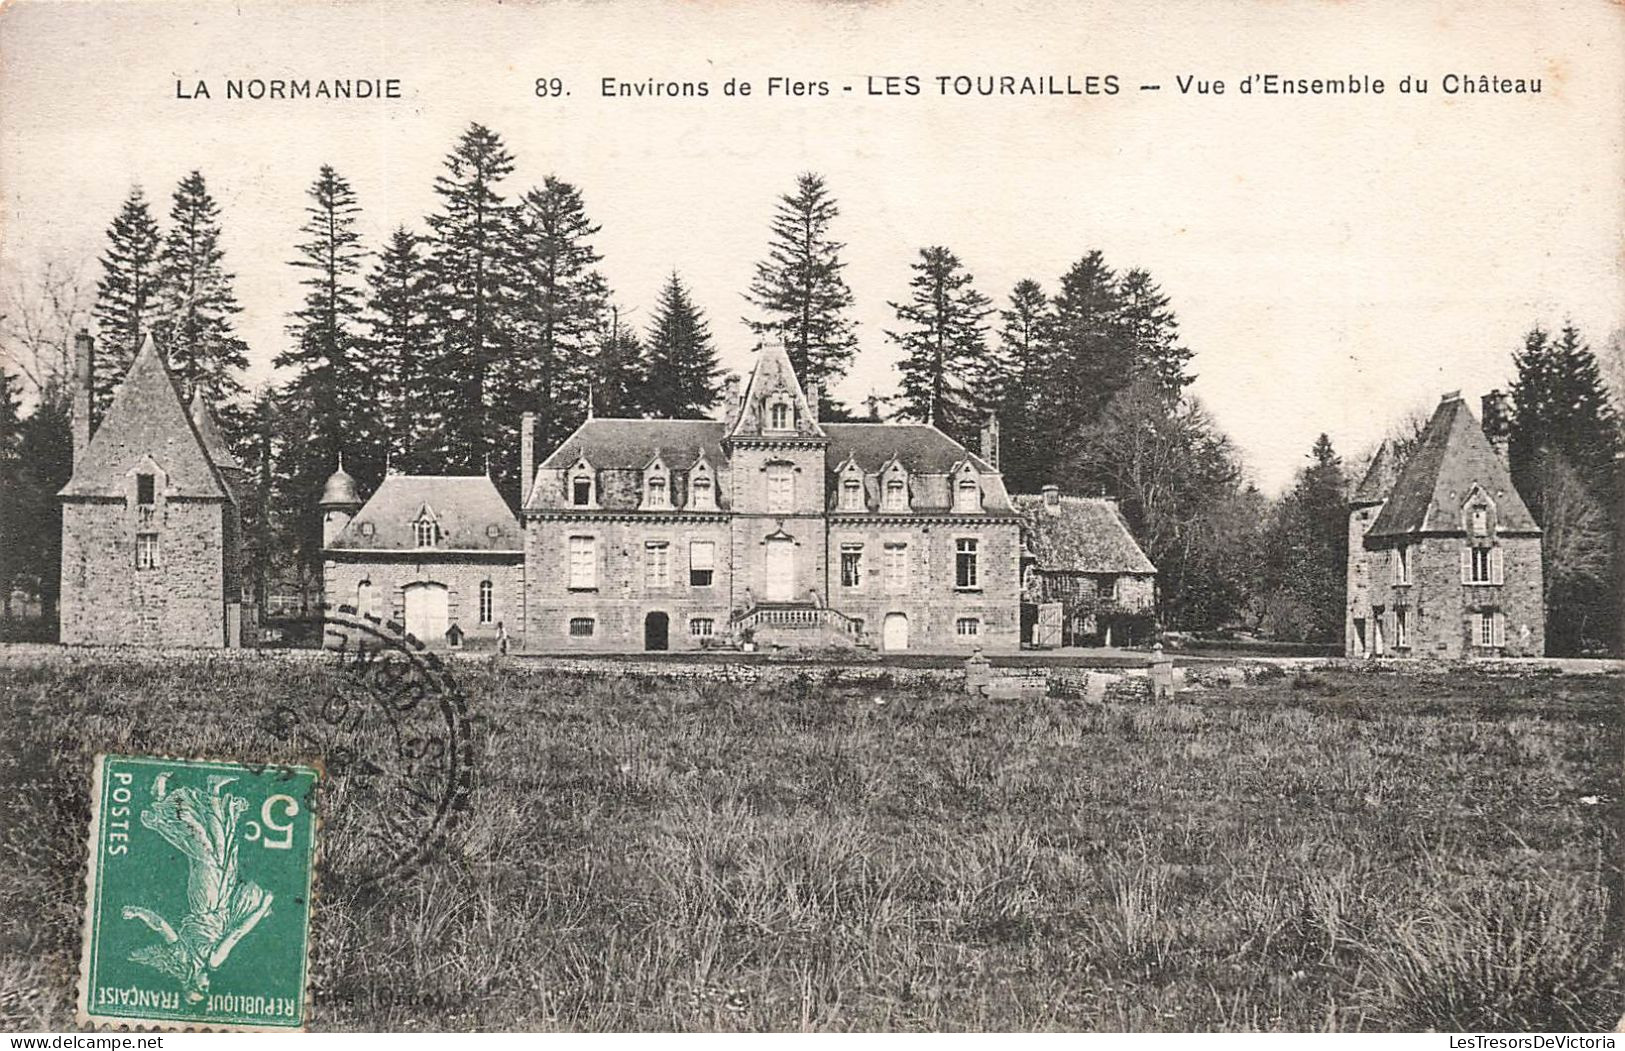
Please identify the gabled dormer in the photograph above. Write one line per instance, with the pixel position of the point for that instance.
(426, 531)
(656, 484)
(1478, 516)
(702, 485)
(966, 482)
(894, 488)
(581, 484)
(851, 495)
(774, 405)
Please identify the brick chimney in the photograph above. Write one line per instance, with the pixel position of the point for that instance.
(84, 352)
(815, 394)
(527, 454)
(990, 440)
(1052, 499)
(1497, 421)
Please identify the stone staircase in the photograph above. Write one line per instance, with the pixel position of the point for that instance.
(798, 625)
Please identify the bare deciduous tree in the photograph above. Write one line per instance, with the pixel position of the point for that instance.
(41, 307)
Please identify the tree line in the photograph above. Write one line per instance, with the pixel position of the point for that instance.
(420, 354)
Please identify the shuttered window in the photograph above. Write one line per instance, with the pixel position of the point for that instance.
(702, 556)
(583, 562)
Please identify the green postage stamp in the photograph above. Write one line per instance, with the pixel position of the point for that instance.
(198, 894)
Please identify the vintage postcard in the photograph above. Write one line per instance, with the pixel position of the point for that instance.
(198, 894)
(812, 516)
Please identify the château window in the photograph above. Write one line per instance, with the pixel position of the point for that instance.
(582, 627)
(968, 627)
(657, 563)
(146, 550)
(896, 567)
(1402, 565)
(366, 598)
(896, 495)
(781, 487)
(1490, 630)
(702, 494)
(1482, 565)
(778, 416)
(702, 627)
(1402, 627)
(425, 532)
(581, 491)
(144, 489)
(1480, 573)
(1481, 521)
(657, 497)
(851, 565)
(968, 496)
(583, 564)
(965, 563)
(702, 562)
(487, 601)
(852, 494)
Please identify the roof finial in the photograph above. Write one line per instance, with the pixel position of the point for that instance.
(388, 460)
(341, 459)
(487, 461)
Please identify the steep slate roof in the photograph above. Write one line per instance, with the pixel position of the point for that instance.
(146, 418)
(465, 506)
(611, 443)
(208, 431)
(925, 453)
(1450, 458)
(771, 371)
(1084, 535)
(1379, 478)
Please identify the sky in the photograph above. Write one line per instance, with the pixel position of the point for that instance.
(1336, 262)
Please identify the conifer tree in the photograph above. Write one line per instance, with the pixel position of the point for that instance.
(615, 376)
(561, 301)
(331, 394)
(680, 359)
(1306, 551)
(471, 271)
(197, 302)
(400, 349)
(1152, 332)
(799, 291)
(945, 355)
(1024, 342)
(1085, 364)
(1560, 404)
(126, 296)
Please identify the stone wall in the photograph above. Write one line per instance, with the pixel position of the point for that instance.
(461, 576)
(106, 599)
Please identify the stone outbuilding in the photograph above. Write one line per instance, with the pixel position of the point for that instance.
(1444, 556)
(1085, 580)
(151, 527)
(440, 554)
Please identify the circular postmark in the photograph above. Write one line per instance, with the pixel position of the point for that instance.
(393, 733)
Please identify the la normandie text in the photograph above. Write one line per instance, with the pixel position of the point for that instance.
(280, 88)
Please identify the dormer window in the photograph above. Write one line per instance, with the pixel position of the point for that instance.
(1480, 521)
(780, 414)
(896, 498)
(425, 531)
(656, 497)
(967, 496)
(702, 492)
(144, 489)
(851, 493)
(581, 491)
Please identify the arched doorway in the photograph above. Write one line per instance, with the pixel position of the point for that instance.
(894, 632)
(426, 608)
(656, 626)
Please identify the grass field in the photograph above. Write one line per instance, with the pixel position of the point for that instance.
(1338, 850)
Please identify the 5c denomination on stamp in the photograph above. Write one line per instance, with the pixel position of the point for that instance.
(198, 894)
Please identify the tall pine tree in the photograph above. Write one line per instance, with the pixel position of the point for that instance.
(399, 350)
(561, 302)
(1087, 361)
(330, 394)
(1306, 551)
(1024, 342)
(945, 357)
(126, 296)
(616, 380)
(680, 358)
(472, 307)
(197, 301)
(799, 291)
(1152, 332)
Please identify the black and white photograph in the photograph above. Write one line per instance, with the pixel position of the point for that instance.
(665, 517)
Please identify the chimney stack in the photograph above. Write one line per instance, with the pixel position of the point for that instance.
(815, 394)
(1497, 421)
(1052, 499)
(84, 350)
(730, 398)
(990, 440)
(527, 454)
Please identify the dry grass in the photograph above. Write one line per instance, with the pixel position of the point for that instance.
(1342, 851)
